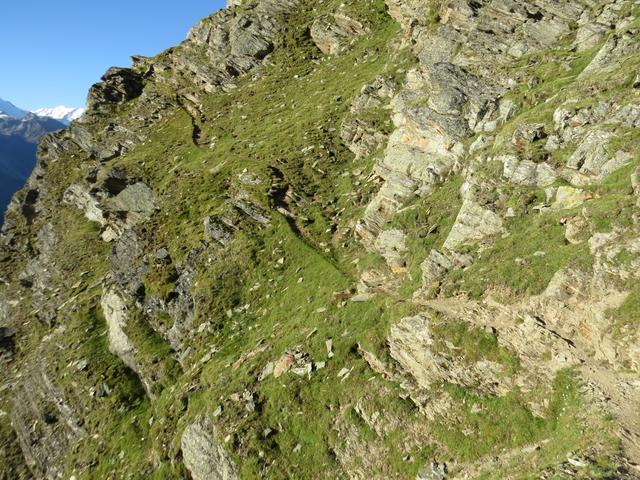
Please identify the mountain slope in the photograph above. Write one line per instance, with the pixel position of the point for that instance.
(11, 110)
(362, 239)
(18, 143)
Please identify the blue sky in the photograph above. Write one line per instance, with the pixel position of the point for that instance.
(51, 52)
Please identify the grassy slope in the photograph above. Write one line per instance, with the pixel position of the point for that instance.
(298, 103)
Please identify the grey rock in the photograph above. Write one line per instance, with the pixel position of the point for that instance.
(333, 33)
(438, 264)
(592, 158)
(617, 47)
(116, 313)
(527, 173)
(391, 244)
(253, 211)
(412, 345)
(362, 136)
(629, 115)
(473, 224)
(204, 455)
(162, 256)
(127, 264)
(80, 197)
(137, 201)
(219, 230)
(118, 85)
(568, 197)
(435, 471)
(38, 400)
(528, 133)
(181, 304)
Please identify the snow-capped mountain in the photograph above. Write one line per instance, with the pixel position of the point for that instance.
(62, 114)
(8, 109)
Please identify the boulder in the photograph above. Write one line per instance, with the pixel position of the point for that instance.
(528, 133)
(527, 173)
(203, 453)
(473, 224)
(568, 198)
(137, 201)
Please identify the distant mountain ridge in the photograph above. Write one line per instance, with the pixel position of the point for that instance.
(10, 110)
(61, 113)
(19, 138)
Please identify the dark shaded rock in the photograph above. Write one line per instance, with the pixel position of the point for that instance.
(219, 230)
(7, 336)
(127, 264)
(116, 181)
(118, 85)
(527, 134)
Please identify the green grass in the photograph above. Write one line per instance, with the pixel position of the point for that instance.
(487, 424)
(427, 223)
(628, 315)
(514, 262)
(246, 297)
(473, 344)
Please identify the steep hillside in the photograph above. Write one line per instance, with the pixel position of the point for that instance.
(339, 239)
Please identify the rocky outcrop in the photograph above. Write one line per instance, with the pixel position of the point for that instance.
(473, 224)
(116, 314)
(219, 230)
(204, 455)
(233, 43)
(592, 159)
(412, 345)
(361, 129)
(332, 34)
(528, 173)
(391, 244)
(118, 85)
(132, 206)
(616, 48)
(45, 422)
(427, 142)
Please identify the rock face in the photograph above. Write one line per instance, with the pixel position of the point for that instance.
(314, 226)
(528, 173)
(204, 456)
(116, 314)
(332, 34)
(360, 133)
(473, 224)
